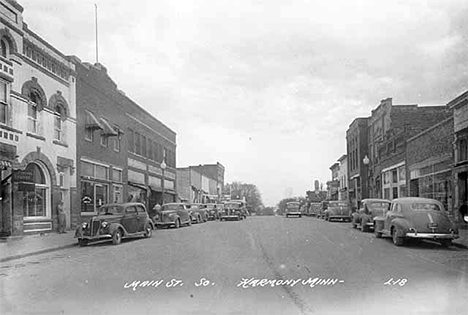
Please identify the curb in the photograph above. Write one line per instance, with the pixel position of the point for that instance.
(47, 250)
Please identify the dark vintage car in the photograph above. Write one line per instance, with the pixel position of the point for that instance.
(293, 209)
(370, 208)
(212, 210)
(416, 218)
(338, 210)
(197, 212)
(172, 214)
(314, 209)
(114, 222)
(233, 210)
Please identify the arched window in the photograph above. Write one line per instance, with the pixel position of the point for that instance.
(463, 150)
(36, 200)
(32, 112)
(4, 48)
(58, 127)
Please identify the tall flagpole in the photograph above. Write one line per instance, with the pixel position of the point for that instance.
(97, 51)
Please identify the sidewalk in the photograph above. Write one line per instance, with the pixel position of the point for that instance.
(22, 246)
(463, 240)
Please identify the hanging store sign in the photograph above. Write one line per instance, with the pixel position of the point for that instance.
(23, 176)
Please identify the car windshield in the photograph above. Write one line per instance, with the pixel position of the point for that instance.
(293, 206)
(170, 207)
(425, 206)
(233, 205)
(338, 204)
(379, 205)
(111, 210)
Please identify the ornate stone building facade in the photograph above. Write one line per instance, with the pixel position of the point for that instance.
(37, 128)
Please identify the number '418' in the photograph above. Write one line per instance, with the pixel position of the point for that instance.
(400, 282)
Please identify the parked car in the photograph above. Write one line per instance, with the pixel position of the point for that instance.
(323, 208)
(314, 209)
(338, 210)
(293, 209)
(172, 214)
(233, 210)
(116, 221)
(212, 210)
(197, 212)
(414, 217)
(370, 208)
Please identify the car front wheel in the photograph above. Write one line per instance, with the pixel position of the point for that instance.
(148, 231)
(117, 237)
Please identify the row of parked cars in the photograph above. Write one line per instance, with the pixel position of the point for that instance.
(401, 219)
(117, 221)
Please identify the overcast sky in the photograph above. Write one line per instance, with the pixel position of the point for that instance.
(268, 88)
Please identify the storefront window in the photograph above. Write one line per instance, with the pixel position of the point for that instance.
(394, 176)
(136, 194)
(387, 193)
(35, 202)
(93, 196)
(394, 192)
(118, 194)
(402, 171)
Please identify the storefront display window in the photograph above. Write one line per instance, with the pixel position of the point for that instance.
(35, 202)
(93, 195)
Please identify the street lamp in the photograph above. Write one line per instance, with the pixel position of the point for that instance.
(366, 161)
(163, 167)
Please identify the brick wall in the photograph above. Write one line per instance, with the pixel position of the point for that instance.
(434, 142)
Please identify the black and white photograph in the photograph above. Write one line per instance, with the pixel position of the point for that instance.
(215, 157)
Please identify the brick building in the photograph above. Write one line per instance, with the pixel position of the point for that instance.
(201, 183)
(37, 128)
(343, 178)
(333, 186)
(357, 149)
(429, 158)
(459, 106)
(120, 146)
(389, 128)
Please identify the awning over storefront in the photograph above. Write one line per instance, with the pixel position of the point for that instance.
(108, 129)
(5, 164)
(140, 186)
(92, 122)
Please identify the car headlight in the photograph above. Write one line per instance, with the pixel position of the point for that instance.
(104, 224)
(84, 225)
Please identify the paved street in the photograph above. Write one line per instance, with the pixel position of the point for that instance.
(97, 279)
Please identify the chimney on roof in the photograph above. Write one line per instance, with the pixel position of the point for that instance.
(99, 66)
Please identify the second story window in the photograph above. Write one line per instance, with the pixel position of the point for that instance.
(104, 140)
(462, 150)
(4, 48)
(58, 123)
(32, 113)
(3, 102)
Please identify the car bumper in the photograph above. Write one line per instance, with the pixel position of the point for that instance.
(229, 216)
(293, 213)
(335, 216)
(83, 236)
(170, 223)
(432, 235)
